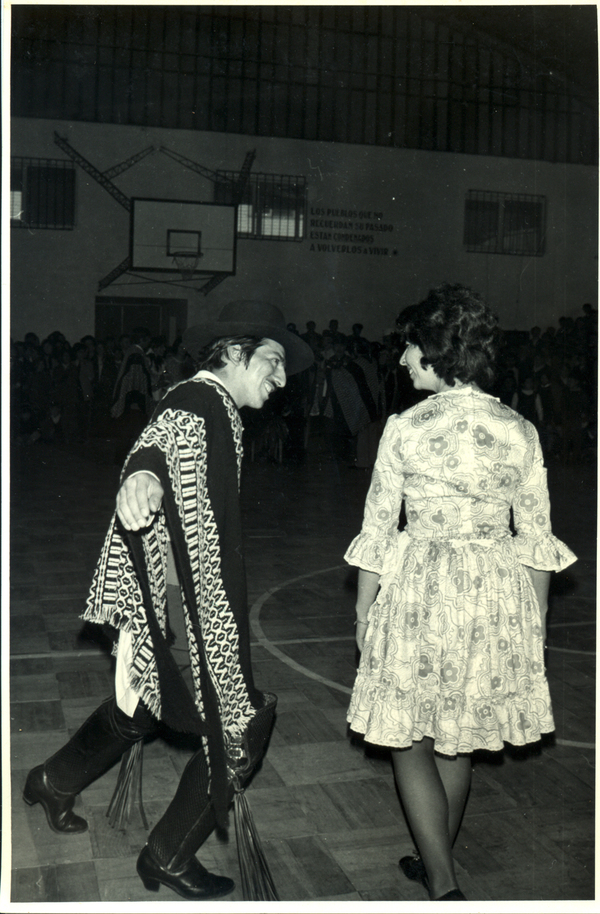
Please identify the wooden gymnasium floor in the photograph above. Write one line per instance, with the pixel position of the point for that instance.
(326, 809)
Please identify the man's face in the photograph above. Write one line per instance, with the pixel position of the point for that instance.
(264, 373)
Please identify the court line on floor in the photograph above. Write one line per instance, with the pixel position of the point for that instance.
(573, 624)
(269, 646)
(285, 658)
(573, 743)
(571, 650)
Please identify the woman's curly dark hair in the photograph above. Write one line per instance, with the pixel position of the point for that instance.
(457, 333)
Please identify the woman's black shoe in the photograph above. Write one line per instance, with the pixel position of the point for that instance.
(414, 868)
(452, 895)
(57, 806)
(190, 881)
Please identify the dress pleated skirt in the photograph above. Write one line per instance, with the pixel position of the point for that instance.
(453, 651)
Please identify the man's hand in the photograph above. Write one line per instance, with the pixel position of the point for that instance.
(138, 500)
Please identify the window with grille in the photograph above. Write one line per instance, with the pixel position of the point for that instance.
(498, 223)
(42, 193)
(271, 206)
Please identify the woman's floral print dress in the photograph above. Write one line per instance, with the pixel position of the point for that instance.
(454, 646)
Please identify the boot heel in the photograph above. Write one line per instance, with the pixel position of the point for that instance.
(152, 885)
(190, 880)
(29, 797)
(58, 807)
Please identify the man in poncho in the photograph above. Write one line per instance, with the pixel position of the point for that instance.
(171, 583)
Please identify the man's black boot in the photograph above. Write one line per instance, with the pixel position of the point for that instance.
(98, 744)
(57, 806)
(168, 858)
(189, 879)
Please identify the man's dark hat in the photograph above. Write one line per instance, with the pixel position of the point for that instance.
(252, 318)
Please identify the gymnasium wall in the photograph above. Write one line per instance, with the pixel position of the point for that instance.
(345, 268)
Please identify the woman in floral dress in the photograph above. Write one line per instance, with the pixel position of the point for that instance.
(451, 612)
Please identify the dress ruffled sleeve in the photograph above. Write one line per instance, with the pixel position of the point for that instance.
(376, 547)
(534, 541)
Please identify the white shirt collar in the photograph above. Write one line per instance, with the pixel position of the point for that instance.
(204, 373)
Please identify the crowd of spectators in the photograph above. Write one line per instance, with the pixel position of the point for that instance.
(72, 393)
(551, 378)
(67, 393)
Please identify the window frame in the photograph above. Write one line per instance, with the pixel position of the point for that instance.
(259, 201)
(493, 234)
(33, 206)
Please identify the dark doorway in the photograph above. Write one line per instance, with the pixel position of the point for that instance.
(162, 316)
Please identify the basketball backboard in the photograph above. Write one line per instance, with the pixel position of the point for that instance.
(162, 230)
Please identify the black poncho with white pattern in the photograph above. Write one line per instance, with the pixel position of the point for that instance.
(193, 445)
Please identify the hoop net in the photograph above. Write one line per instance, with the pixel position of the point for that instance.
(186, 262)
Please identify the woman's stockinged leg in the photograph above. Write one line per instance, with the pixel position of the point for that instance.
(455, 773)
(433, 792)
(426, 807)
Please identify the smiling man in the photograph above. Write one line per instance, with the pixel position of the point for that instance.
(171, 584)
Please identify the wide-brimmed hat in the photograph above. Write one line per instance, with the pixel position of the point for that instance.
(251, 318)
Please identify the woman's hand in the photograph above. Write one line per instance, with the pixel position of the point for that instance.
(361, 631)
(368, 585)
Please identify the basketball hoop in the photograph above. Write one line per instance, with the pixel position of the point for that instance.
(186, 262)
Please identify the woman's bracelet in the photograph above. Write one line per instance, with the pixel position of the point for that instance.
(361, 622)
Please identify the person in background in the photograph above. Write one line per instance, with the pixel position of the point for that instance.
(172, 564)
(178, 363)
(124, 343)
(348, 405)
(332, 334)
(133, 387)
(68, 397)
(86, 355)
(507, 389)
(548, 432)
(133, 402)
(311, 337)
(39, 399)
(32, 339)
(527, 401)
(357, 344)
(107, 375)
(156, 355)
(451, 612)
(314, 375)
(573, 413)
(365, 369)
